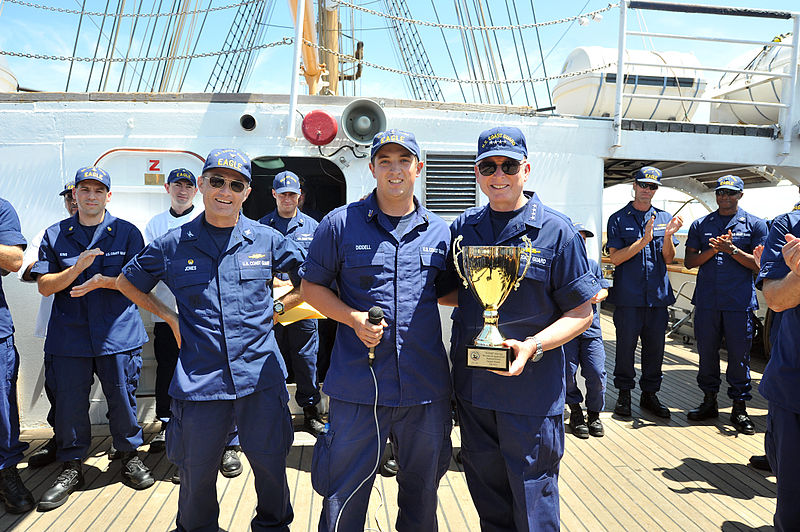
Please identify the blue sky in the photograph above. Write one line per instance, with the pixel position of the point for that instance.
(30, 30)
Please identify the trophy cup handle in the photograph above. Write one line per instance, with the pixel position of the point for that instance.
(527, 252)
(457, 251)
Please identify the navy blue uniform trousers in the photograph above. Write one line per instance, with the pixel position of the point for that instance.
(737, 328)
(11, 448)
(782, 442)
(591, 356)
(196, 438)
(633, 323)
(511, 462)
(299, 343)
(350, 453)
(71, 378)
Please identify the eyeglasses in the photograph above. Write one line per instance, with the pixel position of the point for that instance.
(726, 192)
(509, 167)
(219, 182)
(648, 186)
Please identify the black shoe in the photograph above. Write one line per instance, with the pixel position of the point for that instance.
(176, 477)
(70, 479)
(595, 425)
(649, 401)
(707, 409)
(623, 407)
(113, 453)
(13, 492)
(135, 473)
(311, 422)
(577, 423)
(759, 461)
(159, 441)
(44, 456)
(390, 468)
(740, 419)
(230, 466)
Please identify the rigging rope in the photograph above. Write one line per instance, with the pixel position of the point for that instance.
(143, 15)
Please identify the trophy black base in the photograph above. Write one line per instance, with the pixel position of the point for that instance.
(497, 358)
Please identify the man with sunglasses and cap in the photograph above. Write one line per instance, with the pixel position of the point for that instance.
(389, 251)
(220, 266)
(641, 242)
(721, 244)
(93, 330)
(512, 428)
(46, 454)
(298, 341)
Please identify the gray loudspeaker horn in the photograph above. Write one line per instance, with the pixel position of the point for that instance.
(362, 119)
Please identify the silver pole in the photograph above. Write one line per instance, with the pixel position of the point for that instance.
(789, 88)
(623, 27)
(298, 44)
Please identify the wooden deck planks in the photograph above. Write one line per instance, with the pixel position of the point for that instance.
(645, 474)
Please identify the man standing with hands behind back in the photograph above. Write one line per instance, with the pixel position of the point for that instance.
(641, 243)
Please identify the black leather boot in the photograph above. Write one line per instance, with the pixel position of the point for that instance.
(159, 441)
(623, 407)
(649, 401)
(577, 423)
(595, 425)
(135, 473)
(706, 410)
(13, 492)
(311, 422)
(70, 479)
(44, 456)
(230, 466)
(740, 419)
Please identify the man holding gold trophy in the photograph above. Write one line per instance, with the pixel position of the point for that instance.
(526, 278)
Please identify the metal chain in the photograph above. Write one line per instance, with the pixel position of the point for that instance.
(134, 15)
(285, 41)
(343, 3)
(353, 59)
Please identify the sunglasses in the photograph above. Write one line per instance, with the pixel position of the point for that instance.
(509, 167)
(219, 182)
(649, 186)
(726, 192)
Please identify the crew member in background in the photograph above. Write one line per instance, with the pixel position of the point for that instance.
(512, 427)
(298, 341)
(219, 266)
(641, 243)
(15, 496)
(721, 244)
(389, 251)
(93, 330)
(779, 278)
(46, 454)
(587, 351)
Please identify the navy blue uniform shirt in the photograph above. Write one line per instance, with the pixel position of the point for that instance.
(640, 281)
(355, 246)
(594, 330)
(781, 378)
(299, 228)
(228, 349)
(102, 322)
(10, 235)
(558, 280)
(723, 283)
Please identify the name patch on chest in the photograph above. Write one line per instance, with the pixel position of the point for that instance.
(255, 262)
(428, 249)
(363, 247)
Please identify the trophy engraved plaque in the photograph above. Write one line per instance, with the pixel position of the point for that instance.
(490, 272)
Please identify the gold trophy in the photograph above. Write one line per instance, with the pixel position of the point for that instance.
(491, 274)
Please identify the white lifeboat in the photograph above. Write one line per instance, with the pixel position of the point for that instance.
(753, 88)
(8, 82)
(594, 93)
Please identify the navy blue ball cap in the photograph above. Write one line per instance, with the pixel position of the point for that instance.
(405, 139)
(502, 141)
(229, 158)
(648, 174)
(286, 182)
(579, 227)
(67, 188)
(95, 173)
(181, 173)
(730, 182)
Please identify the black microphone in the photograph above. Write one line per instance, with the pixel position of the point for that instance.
(375, 318)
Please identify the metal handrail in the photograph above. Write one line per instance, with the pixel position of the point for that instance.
(787, 103)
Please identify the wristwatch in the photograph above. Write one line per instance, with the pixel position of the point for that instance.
(277, 307)
(735, 251)
(539, 351)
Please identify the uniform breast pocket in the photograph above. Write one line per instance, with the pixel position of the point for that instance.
(112, 266)
(431, 260)
(362, 268)
(190, 289)
(629, 236)
(539, 269)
